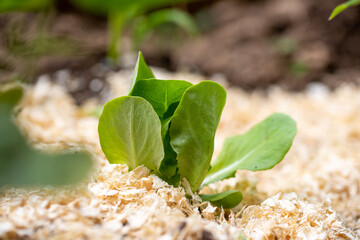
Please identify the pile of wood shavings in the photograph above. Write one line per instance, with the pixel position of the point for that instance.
(124, 205)
(287, 217)
(322, 168)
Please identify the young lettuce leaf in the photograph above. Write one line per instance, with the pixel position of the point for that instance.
(169, 164)
(193, 128)
(261, 148)
(130, 133)
(228, 199)
(141, 72)
(161, 94)
(164, 96)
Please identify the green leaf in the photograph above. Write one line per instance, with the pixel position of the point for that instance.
(193, 128)
(179, 18)
(169, 164)
(116, 25)
(261, 148)
(161, 94)
(104, 7)
(164, 96)
(11, 94)
(228, 199)
(130, 133)
(168, 167)
(342, 7)
(176, 16)
(141, 72)
(24, 5)
(21, 165)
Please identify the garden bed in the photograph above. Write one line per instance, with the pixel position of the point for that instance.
(314, 193)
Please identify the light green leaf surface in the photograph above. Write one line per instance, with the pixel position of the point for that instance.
(342, 7)
(141, 72)
(164, 96)
(161, 94)
(261, 148)
(193, 128)
(228, 199)
(130, 133)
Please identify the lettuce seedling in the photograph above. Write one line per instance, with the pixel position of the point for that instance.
(169, 126)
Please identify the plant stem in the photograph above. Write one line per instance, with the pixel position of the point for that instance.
(115, 31)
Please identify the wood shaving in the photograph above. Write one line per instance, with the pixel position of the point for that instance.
(313, 194)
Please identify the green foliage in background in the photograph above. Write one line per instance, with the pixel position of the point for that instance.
(144, 25)
(24, 5)
(124, 12)
(121, 14)
(108, 6)
(342, 7)
(169, 126)
(20, 165)
(26, 43)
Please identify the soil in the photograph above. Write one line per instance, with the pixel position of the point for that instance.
(253, 44)
(256, 44)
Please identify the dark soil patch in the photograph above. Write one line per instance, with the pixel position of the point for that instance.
(35, 44)
(255, 44)
(286, 42)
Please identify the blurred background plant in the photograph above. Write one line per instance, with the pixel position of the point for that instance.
(29, 38)
(20, 165)
(135, 13)
(342, 7)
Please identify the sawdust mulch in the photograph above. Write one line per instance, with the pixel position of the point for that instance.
(313, 194)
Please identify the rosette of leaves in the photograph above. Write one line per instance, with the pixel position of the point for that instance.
(169, 126)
